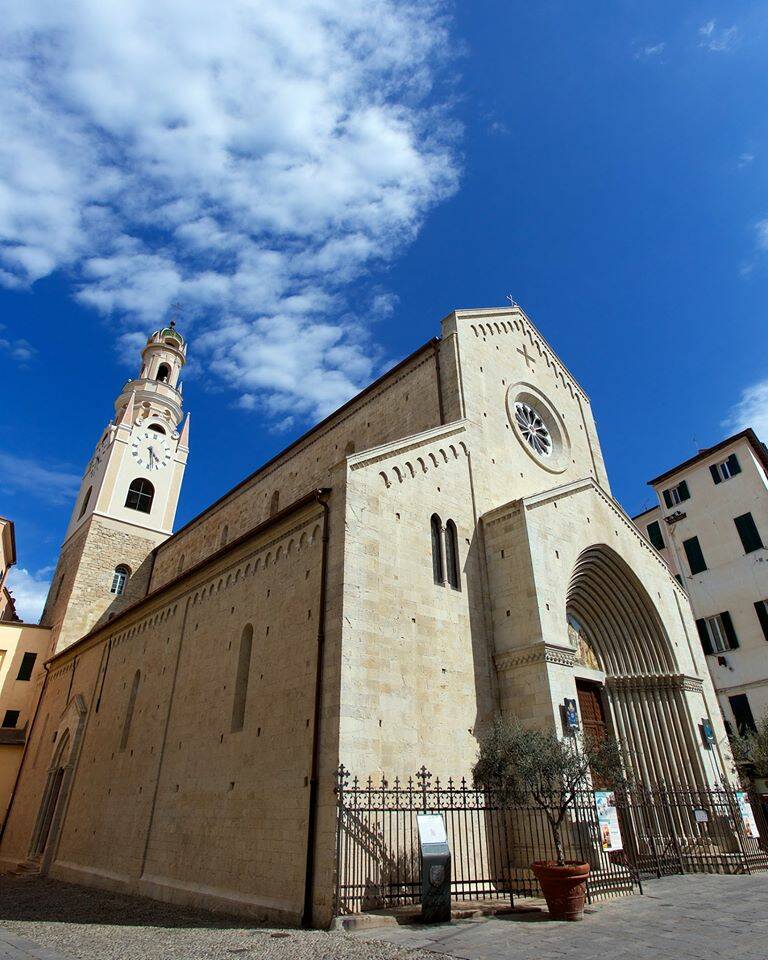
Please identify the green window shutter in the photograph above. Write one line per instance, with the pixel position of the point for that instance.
(733, 465)
(750, 536)
(730, 633)
(706, 643)
(761, 608)
(696, 560)
(668, 499)
(715, 473)
(655, 535)
(682, 489)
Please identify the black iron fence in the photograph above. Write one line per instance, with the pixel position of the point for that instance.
(493, 841)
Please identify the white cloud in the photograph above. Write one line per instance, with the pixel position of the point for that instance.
(18, 349)
(745, 159)
(29, 592)
(717, 40)
(751, 411)
(648, 51)
(55, 485)
(761, 234)
(248, 159)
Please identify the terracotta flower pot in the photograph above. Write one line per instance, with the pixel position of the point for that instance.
(564, 888)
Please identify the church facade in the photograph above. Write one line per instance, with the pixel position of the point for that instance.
(442, 549)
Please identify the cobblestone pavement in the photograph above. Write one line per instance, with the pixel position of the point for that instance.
(46, 920)
(691, 918)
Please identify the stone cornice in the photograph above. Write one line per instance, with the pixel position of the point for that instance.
(535, 653)
(398, 447)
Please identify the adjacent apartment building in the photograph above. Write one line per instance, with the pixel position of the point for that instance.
(711, 526)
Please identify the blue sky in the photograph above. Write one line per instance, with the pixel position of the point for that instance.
(318, 182)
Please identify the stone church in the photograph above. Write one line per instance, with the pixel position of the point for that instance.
(442, 548)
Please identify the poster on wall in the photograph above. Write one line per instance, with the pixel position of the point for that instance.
(608, 820)
(748, 822)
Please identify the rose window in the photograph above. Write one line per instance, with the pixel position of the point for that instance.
(533, 429)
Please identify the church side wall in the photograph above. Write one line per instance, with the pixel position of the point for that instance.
(416, 673)
(184, 808)
(405, 403)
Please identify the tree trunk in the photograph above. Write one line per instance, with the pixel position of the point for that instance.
(558, 844)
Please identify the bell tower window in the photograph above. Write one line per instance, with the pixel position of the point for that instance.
(163, 373)
(156, 428)
(141, 493)
(86, 498)
(119, 579)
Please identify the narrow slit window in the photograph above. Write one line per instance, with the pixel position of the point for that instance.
(241, 680)
(438, 572)
(274, 503)
(86, 500)
(130, 709)
(452, 555)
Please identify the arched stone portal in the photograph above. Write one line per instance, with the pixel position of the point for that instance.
(619, 628)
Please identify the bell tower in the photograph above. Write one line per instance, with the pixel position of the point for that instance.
(127, 499)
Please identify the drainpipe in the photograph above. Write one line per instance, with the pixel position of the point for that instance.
(309, 882)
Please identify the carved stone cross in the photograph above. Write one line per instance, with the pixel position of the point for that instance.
(526, 356)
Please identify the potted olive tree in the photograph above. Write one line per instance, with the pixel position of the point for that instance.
(537, 765)
(750, 750)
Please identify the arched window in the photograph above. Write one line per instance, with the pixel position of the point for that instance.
(163, 373)
(129, 710)
(119, 579)
(350, 448)
(241, 679)
(141, 493)
(438, 572)
(274, 503)
(452, 554)
(181, 564)
(86, 498)
(157, 428)
(224, 535)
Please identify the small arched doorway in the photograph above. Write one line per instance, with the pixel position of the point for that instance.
(617, 630)
(51, 795)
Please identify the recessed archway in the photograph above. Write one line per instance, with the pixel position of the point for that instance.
(618, 622)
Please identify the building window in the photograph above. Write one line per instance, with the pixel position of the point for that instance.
(676, 494)
(129, 709)
(655, 535)
(750, 538)
(27, 665)
(452, 555)
(438, 572)
(141, 493)
(716, 633)
(84, 507)
(274, 503)
(725, 470)
(11, 718)
(224, 536)
(241, 679)
(180, 569)
(696, 559)
(742, 713)
(156, 428)
(761, 608)
(119, 579)
(163, 373)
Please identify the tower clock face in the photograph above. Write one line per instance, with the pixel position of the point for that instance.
(151, 450)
